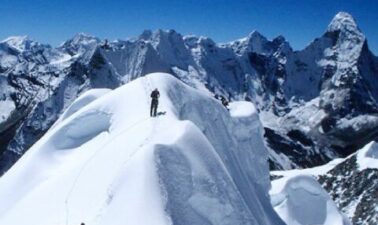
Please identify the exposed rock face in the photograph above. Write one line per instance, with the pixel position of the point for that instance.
(354, 187)
(334, 83)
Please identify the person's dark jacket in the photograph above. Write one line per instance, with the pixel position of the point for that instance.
(155, 95)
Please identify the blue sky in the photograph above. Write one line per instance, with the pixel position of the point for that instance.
(300, 22)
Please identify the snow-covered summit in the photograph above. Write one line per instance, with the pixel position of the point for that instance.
(254, 42)
(80, 44)
(343, 21)
(20, 43)
(190, 165)
(146, 35)
(170, 46)
(81, 38)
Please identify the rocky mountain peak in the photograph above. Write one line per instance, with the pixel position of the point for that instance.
(20, 43)
(80, 44)
(83, 38)
(343, 21)
(257, 43)
(146, 35)
(343, 28)
(160, 35)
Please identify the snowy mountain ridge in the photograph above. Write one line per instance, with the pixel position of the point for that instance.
(187, 166)
(21, 43)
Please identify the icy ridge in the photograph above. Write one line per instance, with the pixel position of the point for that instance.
(187, 166)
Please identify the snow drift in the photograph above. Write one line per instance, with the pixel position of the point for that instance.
(105, 161)
(350, 183)
(302, 201)
(367, 157)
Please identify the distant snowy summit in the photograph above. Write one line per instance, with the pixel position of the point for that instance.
(343, 21)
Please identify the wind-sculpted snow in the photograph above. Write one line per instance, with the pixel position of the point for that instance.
(302, 201)
(81, 130)
(373, 151)
(351, 182)
(107, 162)
(84, 100)
(367, 157)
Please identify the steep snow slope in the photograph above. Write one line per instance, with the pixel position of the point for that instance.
(107, 162)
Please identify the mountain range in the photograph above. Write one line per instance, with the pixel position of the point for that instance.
(315, 104)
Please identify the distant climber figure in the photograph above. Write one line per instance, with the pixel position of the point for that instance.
(106, 45)
(224, 101)
(154, 102)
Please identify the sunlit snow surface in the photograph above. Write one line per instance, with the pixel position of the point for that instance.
(105, 161)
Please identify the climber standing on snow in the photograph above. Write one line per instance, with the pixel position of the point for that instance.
(154, 102)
